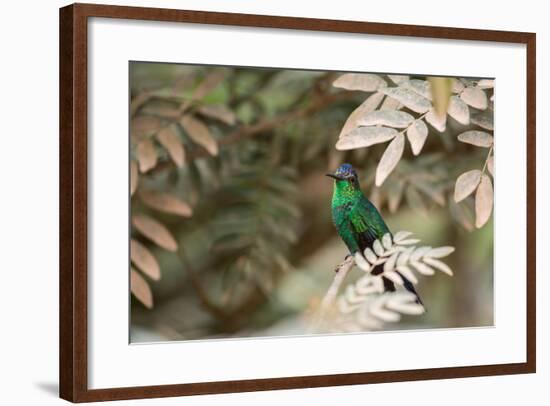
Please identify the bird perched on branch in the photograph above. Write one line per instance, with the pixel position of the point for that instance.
(357, 220)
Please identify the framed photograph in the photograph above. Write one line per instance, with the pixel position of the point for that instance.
(254, 202)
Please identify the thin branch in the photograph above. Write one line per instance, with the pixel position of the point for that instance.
(327, 303)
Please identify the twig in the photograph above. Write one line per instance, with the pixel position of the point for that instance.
(327, 303)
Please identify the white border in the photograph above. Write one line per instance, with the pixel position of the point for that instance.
(114, 363)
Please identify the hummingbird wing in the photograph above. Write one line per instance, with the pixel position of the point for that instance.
(368, 226)
(367, 223)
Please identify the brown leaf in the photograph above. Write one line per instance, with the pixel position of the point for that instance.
(438, 122)
(166, 203)
(484, 201)
(390, 158)
(408, 98)
(365, 82)
(138, 101)
(144, 259)
(466, 184)
(209, 83)
(390, 104)
(171, 142)
(134, 177)
(459, 110)
(370, 104)
(417, 134)
(146, 155)
(155, 231)
(144, 125)
(474, 97)
(477, 138)
(200, 134)
(140, 289)
(365, 137)
(219, 112)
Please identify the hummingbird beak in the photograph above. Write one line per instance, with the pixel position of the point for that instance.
(331, 175)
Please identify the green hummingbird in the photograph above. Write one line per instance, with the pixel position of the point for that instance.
(357, 220)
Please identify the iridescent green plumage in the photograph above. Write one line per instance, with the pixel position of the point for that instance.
(357, 220)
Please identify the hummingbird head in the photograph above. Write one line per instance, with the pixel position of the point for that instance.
(344, 172)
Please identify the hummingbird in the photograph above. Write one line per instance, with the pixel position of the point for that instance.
(358, 221)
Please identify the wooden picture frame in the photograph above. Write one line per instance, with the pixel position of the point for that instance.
(73, 197)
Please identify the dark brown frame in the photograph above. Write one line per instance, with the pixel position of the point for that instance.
(73, 201)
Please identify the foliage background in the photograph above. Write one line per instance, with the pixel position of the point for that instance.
(246, 246)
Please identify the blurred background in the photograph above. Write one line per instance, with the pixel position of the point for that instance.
(231, 222)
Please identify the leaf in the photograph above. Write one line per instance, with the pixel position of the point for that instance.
(365, 82)
(155, 231)
(210, 82)
(477, 138)
(394, 277)
(390, 104)
(474, 97)
(422, 268)
(484, 120)
(398, 79)
(144, 260)
(457, 86)
(459, 110)
(421, 87)
(200, 134)
(486, 84)
(390, 118)
(408, 98)
(442, 266)
(140, 289)
(404, 303)
(417, 134)
(370, 255)
(484, 201)
(490, 165)
(389, 265)
(377, 247)
(419, 252)
(172, 143)
(407, 273)
(466, 184)
(441, 90)
(440, 252)
(409, 241)
(142, 126)
(377, 310)
(219, 112)
(437, 122)
(146, 155)
(361, 262)
(386, 241)
(365, 137)
(390, 158)
(134, 177)
(370, 104)
(166, 203)
(401, 235)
